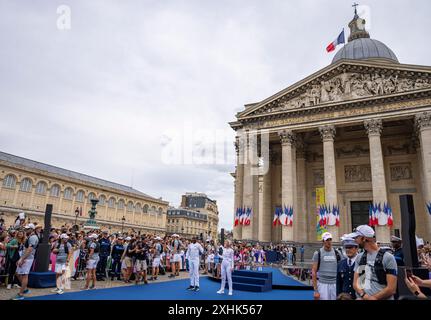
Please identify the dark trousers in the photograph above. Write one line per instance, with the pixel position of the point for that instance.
(10, 270)
(116, 268)
(81, 267)
(101, 267)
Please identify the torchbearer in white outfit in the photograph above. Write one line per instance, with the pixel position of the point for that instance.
(227, 267)
(194, 250)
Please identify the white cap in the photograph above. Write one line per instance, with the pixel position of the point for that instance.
(64, 236)
(326, 236)
(419, 242)
(21, 215)
(363, 231)
(175, 235)
(157, 238)
(29, 226)
(128, 238)
(93, 236)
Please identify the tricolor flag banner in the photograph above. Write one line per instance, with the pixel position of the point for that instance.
(340, 39)
(276, 220)
(336, 211)
(429, 207)
(241, 215)
(236, 217)
(283, 216)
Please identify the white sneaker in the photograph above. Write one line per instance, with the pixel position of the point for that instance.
(17, 286)
(220, 291)
(55, 290)
(9, 286)
(230, 293)
(60, 291)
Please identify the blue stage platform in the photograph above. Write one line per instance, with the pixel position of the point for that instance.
(176, 290)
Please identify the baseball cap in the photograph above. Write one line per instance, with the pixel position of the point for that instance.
(64, 236)
(29, 226)
(93, 235)
(395, 239)
(363, 231)
(21, 215)
(175, 235)
(128, 238)
(326, 236)
(157, 238)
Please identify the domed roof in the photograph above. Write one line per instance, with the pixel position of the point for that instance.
(365, 48)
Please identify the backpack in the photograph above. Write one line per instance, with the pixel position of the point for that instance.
(337, 254)
(27, 243)
(378, 265)
(66, 248)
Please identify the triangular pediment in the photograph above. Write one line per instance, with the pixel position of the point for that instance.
(346, 80)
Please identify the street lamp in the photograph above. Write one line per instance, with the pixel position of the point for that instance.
(76, 215)
(122, 223)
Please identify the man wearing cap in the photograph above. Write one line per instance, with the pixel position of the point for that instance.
(63, 250)
(324, 271)
(116, 254)
(25, 262)
(105, 250)
(176, 257)
(93, 259)
(398, 250)
(375, 269)
(345, 269)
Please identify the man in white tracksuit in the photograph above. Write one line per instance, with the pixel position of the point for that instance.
(194, 250)
(226, 267)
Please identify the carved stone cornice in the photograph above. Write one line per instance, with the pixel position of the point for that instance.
(423, 121)
(373, 126)
(327, 132)
(287, 137)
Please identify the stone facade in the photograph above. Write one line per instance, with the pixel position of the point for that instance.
(365, 129)
(27, 186)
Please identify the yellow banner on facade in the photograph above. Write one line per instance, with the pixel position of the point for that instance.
(320, 200)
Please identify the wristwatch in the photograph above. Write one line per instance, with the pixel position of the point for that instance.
(417, 293)
(363, 294)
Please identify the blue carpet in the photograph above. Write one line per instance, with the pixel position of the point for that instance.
(175, 290)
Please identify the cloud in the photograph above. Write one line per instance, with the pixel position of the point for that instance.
(100, 97)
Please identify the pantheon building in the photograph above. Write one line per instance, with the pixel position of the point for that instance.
(356, 134)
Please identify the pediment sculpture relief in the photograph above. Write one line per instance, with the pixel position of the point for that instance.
(349, 86)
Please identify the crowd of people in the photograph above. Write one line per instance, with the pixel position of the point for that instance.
(360, 270)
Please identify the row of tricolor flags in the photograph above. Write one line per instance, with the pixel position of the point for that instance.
(243, 216)
(329, 216)
(376, 212)
(283, 216)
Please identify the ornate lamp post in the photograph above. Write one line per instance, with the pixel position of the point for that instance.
(91, 223)
(122, 223)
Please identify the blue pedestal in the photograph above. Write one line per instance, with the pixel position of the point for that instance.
(41, 280)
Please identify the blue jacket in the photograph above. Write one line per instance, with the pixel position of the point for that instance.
(105, 247)
(345, 278)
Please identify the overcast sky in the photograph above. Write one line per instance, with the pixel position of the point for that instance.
(106, 96)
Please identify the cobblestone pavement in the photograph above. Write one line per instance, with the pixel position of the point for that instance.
(78, 284)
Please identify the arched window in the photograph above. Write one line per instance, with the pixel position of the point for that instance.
(9, 181)
(25, 185)
(120, 204)
(80, 196)
(138, 208)
(91, 195)
(41, 187)
(111, 203)
(68, 193)
(130, 206)
(145, 209)
(55, 190)
(102, 200)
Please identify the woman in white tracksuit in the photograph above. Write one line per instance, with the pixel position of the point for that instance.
(227, 267)
(194, 250)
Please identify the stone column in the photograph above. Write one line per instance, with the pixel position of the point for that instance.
(374, 128)
(328, 134)
(423, 124)
(239, 182)
(288, 166)
(265, 212)
(300, 217)
(250, 196)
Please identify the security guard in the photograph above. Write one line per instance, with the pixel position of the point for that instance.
(116, 254)
(345, 268)
(398, 251)
(105, 251)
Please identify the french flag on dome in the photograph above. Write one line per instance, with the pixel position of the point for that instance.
(340, 39)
